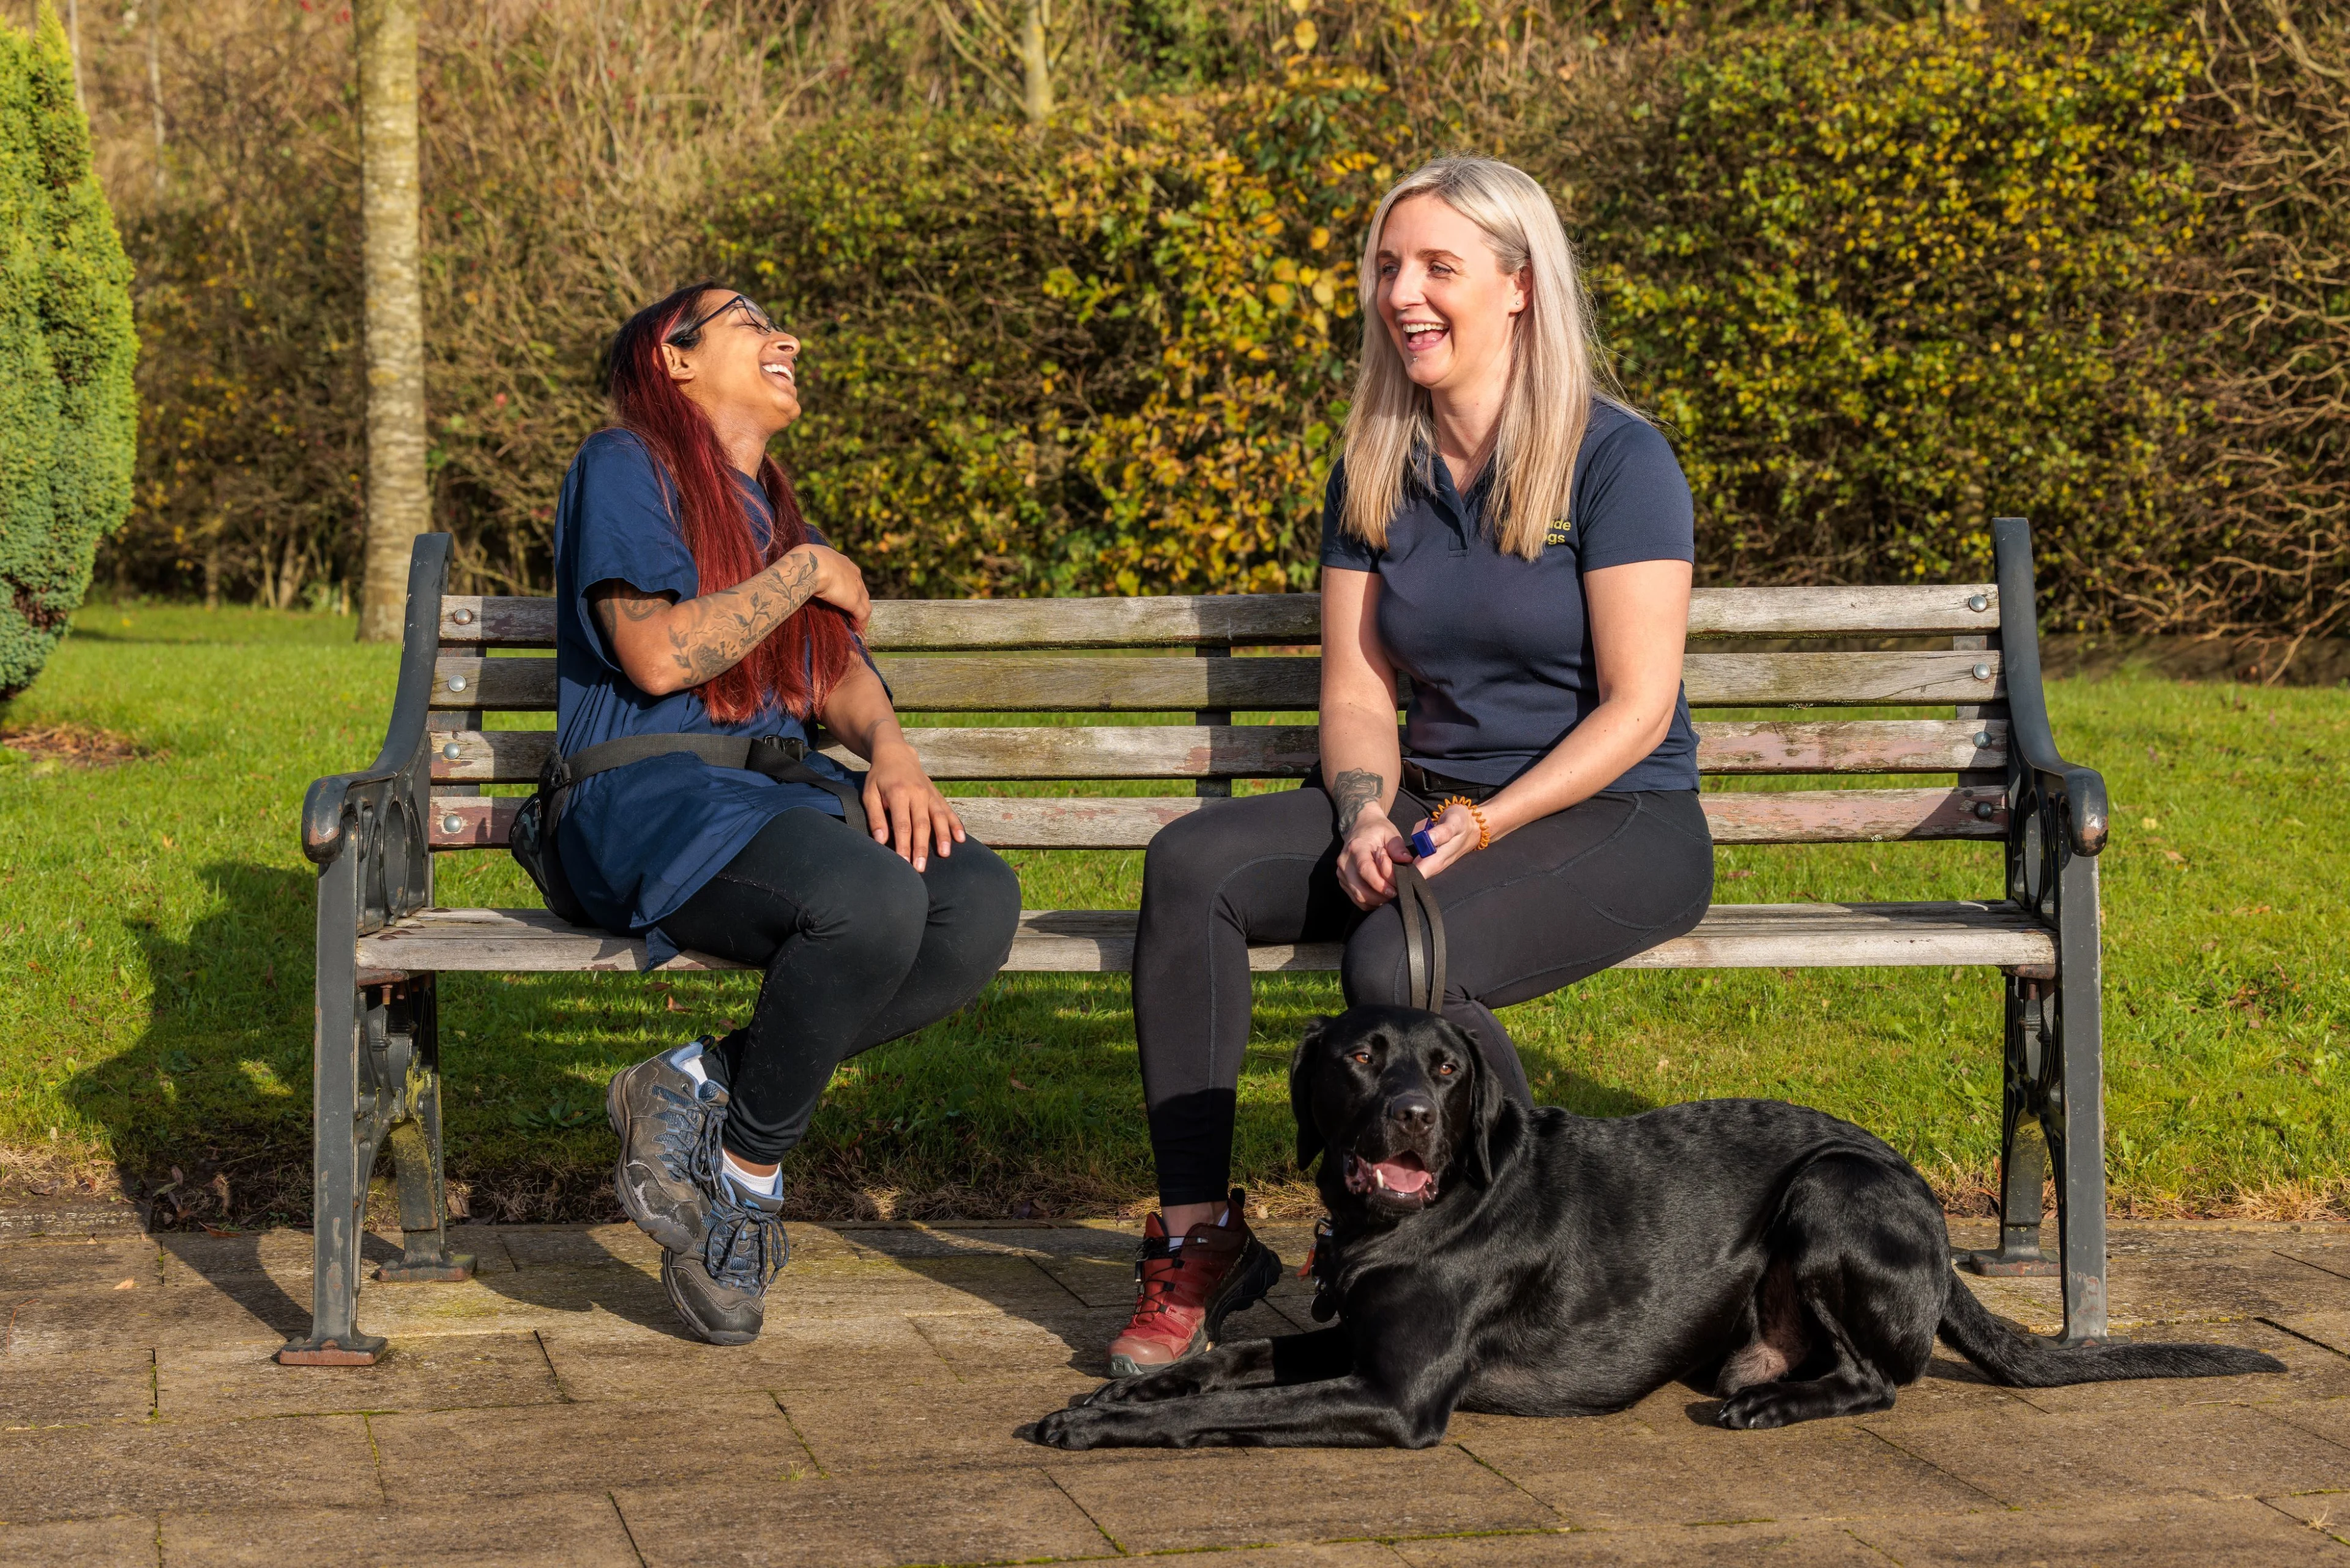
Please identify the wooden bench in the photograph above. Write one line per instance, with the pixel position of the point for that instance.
(1985, 761)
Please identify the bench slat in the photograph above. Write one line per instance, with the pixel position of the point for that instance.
(1732, 936)
(968, 684)
(1224, 619)
(1791, 817)
(1289, 751)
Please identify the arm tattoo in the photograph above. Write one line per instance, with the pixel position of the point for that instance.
(1355, 789)
(710, 635)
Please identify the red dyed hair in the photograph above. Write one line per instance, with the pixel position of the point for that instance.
(795, 666)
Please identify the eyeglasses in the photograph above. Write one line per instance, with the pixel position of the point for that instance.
(686, 337)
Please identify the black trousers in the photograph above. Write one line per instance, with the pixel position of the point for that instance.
(1556, 901)
(860, 949)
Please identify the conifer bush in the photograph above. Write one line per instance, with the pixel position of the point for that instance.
(67, 415)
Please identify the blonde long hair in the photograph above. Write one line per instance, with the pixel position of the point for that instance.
(1553, 370)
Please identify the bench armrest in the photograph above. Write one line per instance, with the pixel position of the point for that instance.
(2033, 741)
(399, 768)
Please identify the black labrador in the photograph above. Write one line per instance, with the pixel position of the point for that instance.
(1538, 1264)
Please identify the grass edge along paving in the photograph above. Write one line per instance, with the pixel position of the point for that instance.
(155, 927)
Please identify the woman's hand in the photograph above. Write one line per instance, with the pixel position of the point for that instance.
(905, 808)
(838, 583)
(1454, 833)
(1367, 857)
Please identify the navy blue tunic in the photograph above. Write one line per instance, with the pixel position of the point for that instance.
(1498, 647)
(639, 841)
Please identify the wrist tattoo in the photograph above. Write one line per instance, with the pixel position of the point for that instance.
(1353, 790)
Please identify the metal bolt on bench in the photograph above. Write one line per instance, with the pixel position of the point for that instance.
(1987, 771)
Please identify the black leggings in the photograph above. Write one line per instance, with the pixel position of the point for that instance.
(860, 949)
(1556, 901)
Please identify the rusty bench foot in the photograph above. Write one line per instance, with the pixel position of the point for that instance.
(448, 1269)
(352, 1349)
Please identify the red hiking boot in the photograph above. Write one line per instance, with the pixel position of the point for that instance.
(1183, 1297)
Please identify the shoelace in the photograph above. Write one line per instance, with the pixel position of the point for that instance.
(1157, 1295)
(745, 1247)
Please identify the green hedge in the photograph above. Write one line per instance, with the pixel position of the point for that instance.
(1884, 278)
(66, 349)
(1889, 283)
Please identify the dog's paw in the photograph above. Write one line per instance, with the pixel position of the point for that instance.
(1752, 1410)
(1075, 1429)
(1177, 1382)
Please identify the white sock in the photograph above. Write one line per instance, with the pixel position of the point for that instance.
(687, 1059)
(1174, 1243)
(751, 1182)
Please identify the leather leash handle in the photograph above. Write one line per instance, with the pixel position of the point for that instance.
(1423, 940)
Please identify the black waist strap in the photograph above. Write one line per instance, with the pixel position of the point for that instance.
(1433, 787)
(776, 756)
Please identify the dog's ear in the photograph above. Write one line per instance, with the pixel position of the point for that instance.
(1302, 1064)
(1484, 1102)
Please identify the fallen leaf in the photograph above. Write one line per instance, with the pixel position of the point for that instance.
(1021, 1086)
(127, 1285)
(674, 1007)
(1738, 875)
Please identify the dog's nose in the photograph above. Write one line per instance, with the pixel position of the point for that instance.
(1414, 1112)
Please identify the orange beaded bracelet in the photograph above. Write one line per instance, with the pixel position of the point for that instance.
(1484, 834)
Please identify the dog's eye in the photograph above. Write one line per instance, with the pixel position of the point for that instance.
(1363, 1056)
(1445, 1069)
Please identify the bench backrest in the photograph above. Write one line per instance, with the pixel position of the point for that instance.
(1162, 657)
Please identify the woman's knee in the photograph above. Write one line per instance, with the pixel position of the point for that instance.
(1373, 968)
(975, 892)
(878, 909)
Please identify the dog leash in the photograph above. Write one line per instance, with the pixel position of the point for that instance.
(1423, 940)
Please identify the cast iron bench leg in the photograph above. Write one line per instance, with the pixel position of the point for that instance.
(416, 1152)
(338, 1195)
(2075, 1116)
(2022, 1146)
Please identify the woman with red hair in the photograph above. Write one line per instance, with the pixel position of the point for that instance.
(697, 611)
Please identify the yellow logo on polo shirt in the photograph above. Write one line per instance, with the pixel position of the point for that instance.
(1557, 535)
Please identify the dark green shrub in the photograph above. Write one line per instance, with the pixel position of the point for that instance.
(1889, 281)
(67, 347)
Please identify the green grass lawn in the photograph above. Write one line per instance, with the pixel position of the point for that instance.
(155, 930)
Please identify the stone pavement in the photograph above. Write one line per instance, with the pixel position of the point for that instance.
(548, 1413)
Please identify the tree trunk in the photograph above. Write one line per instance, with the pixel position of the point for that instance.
(399, 501)
(1036, 64)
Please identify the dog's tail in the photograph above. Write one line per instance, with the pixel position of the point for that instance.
(2028, 1361)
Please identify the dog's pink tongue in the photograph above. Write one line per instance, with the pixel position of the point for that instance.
(1397, 1176)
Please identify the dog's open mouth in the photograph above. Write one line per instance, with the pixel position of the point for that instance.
(1403, 1176)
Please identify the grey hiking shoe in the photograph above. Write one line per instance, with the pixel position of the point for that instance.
(720, 1289)
(670, 1159)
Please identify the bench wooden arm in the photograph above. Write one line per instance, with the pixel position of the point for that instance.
(2030, 740)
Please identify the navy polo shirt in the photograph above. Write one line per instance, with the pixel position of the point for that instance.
(1498, 647)
(639, 841)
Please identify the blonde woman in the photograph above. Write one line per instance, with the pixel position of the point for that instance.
(1521, 546)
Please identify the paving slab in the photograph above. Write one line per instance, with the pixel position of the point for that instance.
(2182, 1533)
(419, 1373)
(80, 1261)
(1228, 1498)
(77, 1386)
(578, 1530)
(116, 1542)
(1683, 1546)
(960, 1516)
(62, 1472)
(2033, 1461)
(2326, 1513)
(518, 1451)
(1641, 1468)
(886, 1430)
(791, 1355)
